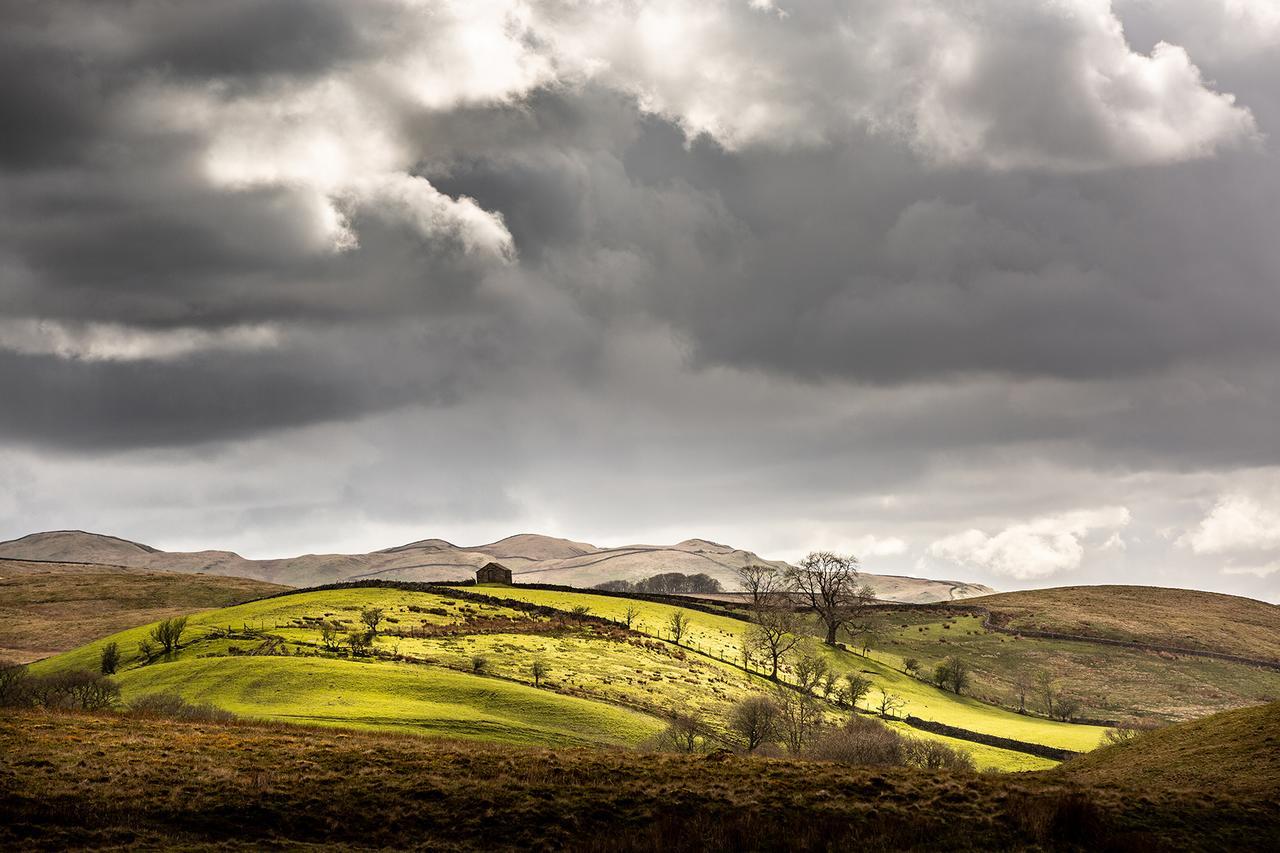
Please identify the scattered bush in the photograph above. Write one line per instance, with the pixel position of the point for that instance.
(371, 617)
(78, 689)
(110, 660)
(666, 583)
(935, 755)
(169, 633)
(684, 734)
(479, 663)
(859, 741)
(755, 720)
(1125, 732)
(952, 674)
(912, 666)
(171, 706)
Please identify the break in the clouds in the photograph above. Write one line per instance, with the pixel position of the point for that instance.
(986, 290)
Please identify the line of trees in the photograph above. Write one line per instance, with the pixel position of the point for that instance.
(665, 583)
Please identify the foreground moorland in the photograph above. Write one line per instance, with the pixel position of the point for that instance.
(50, 607)
(115, 781)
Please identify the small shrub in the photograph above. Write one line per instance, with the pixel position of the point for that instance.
(171, 706)
(479, 663)
(109, 662)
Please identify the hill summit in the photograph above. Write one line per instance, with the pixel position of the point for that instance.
(531, 557)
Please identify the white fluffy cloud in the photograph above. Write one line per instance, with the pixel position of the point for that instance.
(1046, 84)
(1237, 523)
(1035, 549)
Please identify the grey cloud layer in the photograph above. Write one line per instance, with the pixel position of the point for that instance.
(904, 235)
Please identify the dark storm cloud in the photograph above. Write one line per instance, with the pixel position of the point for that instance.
(800, 259)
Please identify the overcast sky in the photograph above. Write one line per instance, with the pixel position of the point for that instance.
(984, 290)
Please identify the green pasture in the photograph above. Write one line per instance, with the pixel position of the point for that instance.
(393, 696)
(723, 636)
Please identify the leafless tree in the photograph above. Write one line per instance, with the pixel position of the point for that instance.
(1021, 687)
(765, 584)
(890, 705)
(774, 635)
(800, 717)
(682, 735)
(329, 635)
(1048, 685)
(678, 625)
(755, 721)
(828, 585)
(630, 615)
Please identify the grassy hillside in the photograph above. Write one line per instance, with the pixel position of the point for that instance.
(712, 635)
(1111, 682)
(79, 781)
(599, 684)
(46, 608)
(1234, 754)
(1181, 618)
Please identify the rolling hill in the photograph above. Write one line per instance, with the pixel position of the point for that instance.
(1154, 616)
(50, 607)
(1087, 656)
(600, 683)
(532, 558)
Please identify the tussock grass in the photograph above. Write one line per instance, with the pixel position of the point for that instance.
(78, 781)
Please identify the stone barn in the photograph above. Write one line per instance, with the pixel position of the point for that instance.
(493, 573)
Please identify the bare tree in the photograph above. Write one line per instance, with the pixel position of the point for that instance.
(371, 617)
(810, 672)
(755, 721)
(1021, 687)
(539, 671)
(679, 625)
(329, 635)
(630, 615)
(774, 635)
(765, 584)
(1048, 685)
(682, 735)
(800, 717)
(890, 704)
(828, 585)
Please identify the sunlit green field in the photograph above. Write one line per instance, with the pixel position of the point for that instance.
(392, 696)
(723, 636)
(448, 666)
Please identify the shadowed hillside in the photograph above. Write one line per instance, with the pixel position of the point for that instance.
(46, 608)
(289, 787)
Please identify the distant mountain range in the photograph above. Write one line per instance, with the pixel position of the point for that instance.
(532, 559)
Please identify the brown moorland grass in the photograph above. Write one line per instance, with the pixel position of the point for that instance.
(46, 608)
(1235, 753)
(96, 781)
(1183, 618)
